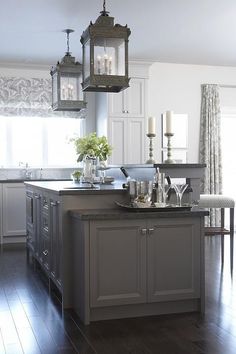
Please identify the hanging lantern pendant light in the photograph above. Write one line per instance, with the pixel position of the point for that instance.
(66, 82)
(105, 55)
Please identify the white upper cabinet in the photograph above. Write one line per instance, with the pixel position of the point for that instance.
(127, 139)
(130, 102)
(122, 118)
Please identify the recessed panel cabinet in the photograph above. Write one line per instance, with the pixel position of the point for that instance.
(44, 239)
(144, 261)
(122, 118)
(127, 139)
(130, 102)
(173, 262)
(117, 263)
(14, 209)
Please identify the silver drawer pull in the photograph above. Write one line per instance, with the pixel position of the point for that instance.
(143, 231)
(53, 204)
(150, 231)
(45, 252)
(37, 196)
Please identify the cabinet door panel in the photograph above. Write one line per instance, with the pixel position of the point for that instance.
(14, 209)
(116, 104)
(117, 140)
(130, 102)
(117, 263)
(135, 100)
(136, 133)
(174, 260)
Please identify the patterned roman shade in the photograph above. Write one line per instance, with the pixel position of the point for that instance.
(29, 98)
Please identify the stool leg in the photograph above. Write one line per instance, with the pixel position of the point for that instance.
(222, 222)
(231, 237)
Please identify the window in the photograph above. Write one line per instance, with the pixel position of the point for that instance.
(228, 128)
(39, 141)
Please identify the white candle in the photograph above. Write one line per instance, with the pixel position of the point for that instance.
(110, 65)
(63, 92)
(169, 115)
(106, 63)
(151, 125)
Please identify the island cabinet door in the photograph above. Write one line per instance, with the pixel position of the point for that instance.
(173, 259)
(117, 262)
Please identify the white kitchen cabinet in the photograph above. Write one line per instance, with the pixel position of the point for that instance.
(130, 102)
(13, 209)
(127, 139)
(122, 118)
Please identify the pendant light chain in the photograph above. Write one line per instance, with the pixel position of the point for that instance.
(68, 42)
(104, 12)
(68, 31)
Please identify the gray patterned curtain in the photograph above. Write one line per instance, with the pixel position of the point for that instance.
(210, 146)
(29, 97)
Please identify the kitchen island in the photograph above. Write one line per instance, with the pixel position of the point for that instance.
(109, 262)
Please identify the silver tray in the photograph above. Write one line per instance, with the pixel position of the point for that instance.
(169, 207)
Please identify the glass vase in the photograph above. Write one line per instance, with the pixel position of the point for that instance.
(89, 169)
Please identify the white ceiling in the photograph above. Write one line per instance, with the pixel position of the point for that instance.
(178, 31)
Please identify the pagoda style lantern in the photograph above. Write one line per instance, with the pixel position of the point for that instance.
(67, 94)
(105, 55)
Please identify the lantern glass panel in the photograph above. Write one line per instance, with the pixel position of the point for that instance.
(109, 56)
(69, 88)
(54, 87)
(87, 59)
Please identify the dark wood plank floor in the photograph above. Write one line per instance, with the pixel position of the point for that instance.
(31, 321)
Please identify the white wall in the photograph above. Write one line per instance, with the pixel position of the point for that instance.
(177, 87)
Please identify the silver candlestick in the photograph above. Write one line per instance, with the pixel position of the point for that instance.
(169, 159)
(151, 159)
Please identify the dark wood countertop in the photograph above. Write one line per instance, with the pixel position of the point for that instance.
(109, 214)
(71, 188)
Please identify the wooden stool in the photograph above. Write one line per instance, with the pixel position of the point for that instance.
(221, 202)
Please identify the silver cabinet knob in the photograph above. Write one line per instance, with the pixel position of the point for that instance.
(143, 231)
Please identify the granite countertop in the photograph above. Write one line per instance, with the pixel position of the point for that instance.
(71, 188)
(109, 214)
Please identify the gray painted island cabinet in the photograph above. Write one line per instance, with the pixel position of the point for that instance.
(44, 235)
(108, 262)
(139, 266)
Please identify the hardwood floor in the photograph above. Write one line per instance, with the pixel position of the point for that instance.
(31, 321)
